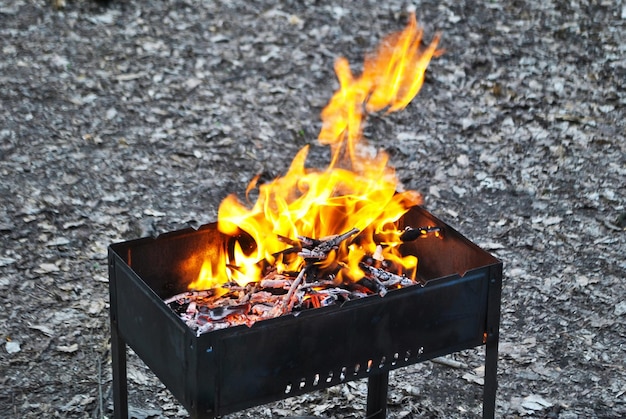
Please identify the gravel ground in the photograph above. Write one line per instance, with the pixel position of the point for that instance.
(136, 118)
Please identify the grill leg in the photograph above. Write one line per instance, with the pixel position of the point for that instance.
(491, 379)
(492, 337)
(377, 396)
(120, 389)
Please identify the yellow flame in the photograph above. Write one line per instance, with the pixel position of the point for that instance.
(391, 78)
(355, 190)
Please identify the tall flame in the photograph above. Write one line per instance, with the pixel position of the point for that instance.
(354, 191)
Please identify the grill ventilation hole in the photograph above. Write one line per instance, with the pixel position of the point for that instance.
(382, 362)
(356, 370)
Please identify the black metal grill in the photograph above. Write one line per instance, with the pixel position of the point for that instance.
(227, 370)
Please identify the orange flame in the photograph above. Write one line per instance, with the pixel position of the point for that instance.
(354, 191)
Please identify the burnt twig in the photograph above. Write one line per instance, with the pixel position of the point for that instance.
(413, 233)
(323, 247)
(293, 288)
(386, 278)
(189, 296)
(278, 283)
(221, 312)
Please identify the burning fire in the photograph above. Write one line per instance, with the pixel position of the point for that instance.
(356, 190)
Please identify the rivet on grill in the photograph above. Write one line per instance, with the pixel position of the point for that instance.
(369, 365)
(288, 389)
(420, 351)
(342, 376)
(382, 362)
(357, 367)
(330, 377)
(316, 379)
(302, 383)
(407, 355)
(395, 359)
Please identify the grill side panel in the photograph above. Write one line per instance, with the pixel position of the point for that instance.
(152, 330)
(274, 360)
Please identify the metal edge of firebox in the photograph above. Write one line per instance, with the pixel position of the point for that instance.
(479, 256)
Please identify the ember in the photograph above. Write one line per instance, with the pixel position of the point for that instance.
(327, 236)
(280, 293)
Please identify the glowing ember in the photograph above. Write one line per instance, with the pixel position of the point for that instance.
(355, 194)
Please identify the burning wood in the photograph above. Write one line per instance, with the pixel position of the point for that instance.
(356, 196)
(287, 304)
(281, 293)
(319, 249)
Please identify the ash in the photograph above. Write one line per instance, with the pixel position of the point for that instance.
(290, 292)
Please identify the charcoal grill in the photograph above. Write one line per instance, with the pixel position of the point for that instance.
(227, 370)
